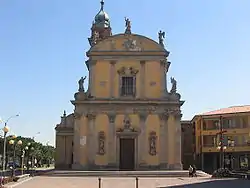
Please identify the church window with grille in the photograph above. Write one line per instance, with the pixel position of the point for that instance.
(127, 86)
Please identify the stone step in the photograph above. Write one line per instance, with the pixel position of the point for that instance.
(183, 173)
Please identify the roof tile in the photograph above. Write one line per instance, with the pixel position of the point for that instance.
(229, 110)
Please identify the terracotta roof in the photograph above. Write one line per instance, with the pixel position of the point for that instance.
(229, 110)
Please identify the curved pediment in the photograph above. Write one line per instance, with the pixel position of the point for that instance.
(127, 44)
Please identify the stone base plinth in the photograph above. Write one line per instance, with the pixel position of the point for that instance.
(170, 173)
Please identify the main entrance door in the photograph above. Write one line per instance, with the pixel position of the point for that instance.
(127, 154)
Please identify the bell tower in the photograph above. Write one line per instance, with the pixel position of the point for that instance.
(101, 28)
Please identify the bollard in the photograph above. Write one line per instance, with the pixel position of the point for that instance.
(99, 179)
(136, 182)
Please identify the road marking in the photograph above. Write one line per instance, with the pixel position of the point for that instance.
(19, 183)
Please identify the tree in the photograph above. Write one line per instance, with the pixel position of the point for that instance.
(42, 153)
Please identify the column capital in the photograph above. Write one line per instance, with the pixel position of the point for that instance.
(77, 115)
(111, 118)
(112, 62)
(143, 116)
(163, 116)
(91, 116)
(142, 62)
(176, 113)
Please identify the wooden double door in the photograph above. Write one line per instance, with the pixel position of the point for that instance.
(127, 154)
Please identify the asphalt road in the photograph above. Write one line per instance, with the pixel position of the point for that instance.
(92, 182)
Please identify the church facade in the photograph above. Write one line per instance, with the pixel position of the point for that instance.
(127, 119)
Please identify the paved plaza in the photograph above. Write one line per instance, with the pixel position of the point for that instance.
(92, 182)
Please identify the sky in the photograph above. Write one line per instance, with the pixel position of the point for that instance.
(43, 46)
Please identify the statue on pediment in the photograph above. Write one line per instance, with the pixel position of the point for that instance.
(174, 85)
(128, 26)
(81, 83)
(161, 36)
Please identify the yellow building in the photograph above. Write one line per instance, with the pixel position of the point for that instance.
(126, 119)
(234, 145)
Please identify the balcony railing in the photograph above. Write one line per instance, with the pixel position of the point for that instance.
(227, 145)
(216, 127)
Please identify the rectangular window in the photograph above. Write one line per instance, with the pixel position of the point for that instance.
(128, 86)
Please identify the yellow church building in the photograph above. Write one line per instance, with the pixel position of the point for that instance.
(127, 119)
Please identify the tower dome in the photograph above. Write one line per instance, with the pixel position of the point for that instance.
(102, 18)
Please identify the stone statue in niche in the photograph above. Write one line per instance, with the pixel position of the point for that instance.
(174, 85)
(152, 143)
(80, 83)
(126, 123)
(101, 141)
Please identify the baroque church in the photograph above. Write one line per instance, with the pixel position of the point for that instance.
(126, 119)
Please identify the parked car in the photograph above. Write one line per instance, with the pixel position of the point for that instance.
(12, 164)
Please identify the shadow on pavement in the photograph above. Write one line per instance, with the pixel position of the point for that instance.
(228, 183)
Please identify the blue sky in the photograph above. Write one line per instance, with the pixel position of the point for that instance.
(43, 45)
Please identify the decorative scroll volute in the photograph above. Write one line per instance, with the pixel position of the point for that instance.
(101, 143)
(152, 143)
(127, 71)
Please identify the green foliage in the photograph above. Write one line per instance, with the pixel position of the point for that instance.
(43, 153)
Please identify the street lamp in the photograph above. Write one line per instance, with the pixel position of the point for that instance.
(222, 148)
(29, 148)
(22, 158)
(12, 142)
(6, 130)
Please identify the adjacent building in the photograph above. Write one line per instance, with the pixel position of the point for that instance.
(234, 145)
(188, 144)
(127, 119)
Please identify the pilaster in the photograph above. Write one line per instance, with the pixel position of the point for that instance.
(163, 78)
(142, 139)
(112, 139)
(91, 139)
(112, 78)
(178, 161)
(142, 79)
(163, 140)
(76, 139)
(92, 65)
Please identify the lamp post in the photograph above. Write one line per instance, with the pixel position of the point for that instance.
(28, 149)
(6, 130)
(222, 148)
(221, 145)
(12, 142)
(22, 162)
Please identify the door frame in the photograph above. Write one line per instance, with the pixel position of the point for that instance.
(134, 136)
